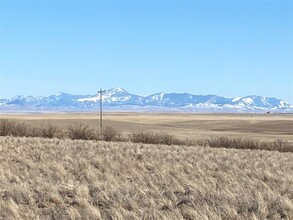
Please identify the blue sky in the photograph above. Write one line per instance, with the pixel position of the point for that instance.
(228, 48)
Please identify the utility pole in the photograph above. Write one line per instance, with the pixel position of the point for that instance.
(101, 112)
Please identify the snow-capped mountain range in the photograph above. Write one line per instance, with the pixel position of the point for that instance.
(120, 99)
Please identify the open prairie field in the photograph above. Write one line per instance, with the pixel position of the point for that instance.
(264, 127)
(66, 179)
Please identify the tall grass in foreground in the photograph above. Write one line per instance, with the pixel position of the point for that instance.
(76, 179)
(84, 132)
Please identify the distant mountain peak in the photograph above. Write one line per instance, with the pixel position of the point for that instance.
(119, 89)
(116, 90)
(60, 94)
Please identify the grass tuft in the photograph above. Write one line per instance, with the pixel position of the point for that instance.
(50, 131)
(154, 138)
(81, 132)
(111, 134)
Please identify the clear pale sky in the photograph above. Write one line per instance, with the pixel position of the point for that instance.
(227, 48)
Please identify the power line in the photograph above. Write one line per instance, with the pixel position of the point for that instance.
(101, 112)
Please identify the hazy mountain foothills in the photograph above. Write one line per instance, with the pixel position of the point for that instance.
(65, 179)
(120, 99)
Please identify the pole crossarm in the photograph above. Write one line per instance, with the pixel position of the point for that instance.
(101, 111)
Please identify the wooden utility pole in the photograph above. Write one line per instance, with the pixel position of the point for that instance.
(101, 112)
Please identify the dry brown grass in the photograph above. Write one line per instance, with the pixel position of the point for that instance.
(262, 127)
(154, 138)
(65, 179)
(79, 131)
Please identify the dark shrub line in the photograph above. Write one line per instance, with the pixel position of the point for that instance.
(155, 138)
(74, 131)
(246, 143)
(85, 132)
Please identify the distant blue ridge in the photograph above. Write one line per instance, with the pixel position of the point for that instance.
(120, 99)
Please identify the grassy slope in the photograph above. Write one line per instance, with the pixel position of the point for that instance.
(63, 179)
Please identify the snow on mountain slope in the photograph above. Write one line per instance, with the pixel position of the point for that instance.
(118, 98)
(236, 99)
(112, 97)
(247, 101)
(259, 101)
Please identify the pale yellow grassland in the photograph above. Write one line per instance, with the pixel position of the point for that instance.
(264, 127)
(65, 179)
